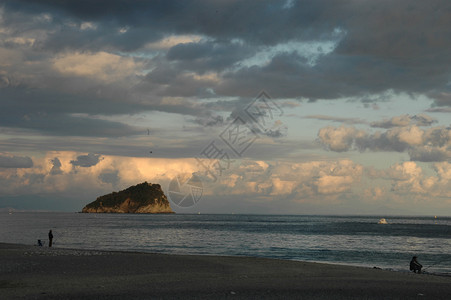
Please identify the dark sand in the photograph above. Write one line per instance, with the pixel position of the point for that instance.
(30, 272)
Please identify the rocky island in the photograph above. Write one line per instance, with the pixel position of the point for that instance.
(143, 198)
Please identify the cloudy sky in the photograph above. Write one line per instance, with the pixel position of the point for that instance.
(301, 107)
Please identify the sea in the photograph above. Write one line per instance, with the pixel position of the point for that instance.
(347, 240)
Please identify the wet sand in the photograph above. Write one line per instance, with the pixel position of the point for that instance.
(31, 272)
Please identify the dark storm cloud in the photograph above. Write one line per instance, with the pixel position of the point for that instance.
(170, 82)
(54, 113)
(442, 98)
(12, 161)
(66, 125)
(87, 161)
(219, 19)
(381, 45)
(67, 94)
(208, 56)
(378, 46)
(289, 75)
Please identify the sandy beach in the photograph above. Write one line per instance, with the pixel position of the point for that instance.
(31, 272)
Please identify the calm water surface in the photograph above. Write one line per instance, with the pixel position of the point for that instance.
(353, 240)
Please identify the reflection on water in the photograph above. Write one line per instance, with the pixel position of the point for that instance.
(339, 239)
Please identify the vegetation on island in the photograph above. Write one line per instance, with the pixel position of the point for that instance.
(140, 198)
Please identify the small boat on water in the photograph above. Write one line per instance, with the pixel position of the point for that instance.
(382, 221)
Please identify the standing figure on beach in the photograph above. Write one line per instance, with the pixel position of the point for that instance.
(415, 265)
(50, 238)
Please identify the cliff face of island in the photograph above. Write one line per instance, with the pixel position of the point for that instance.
(143, 198)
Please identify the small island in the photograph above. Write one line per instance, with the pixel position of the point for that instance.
(143, 198)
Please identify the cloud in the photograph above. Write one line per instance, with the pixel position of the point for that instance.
(78, 78)
(173, 40)
(111, 177)
(294, 50)
(208, 55)
(11, 161)
(439, 110)
(430, 154)
(375, 193)
(262, 115)
(56, 168)
(276, 130)
(297, 181)
(340, 139)
(101, 66)
(410, 178)
(441, 98)
(86, 183)
(54, 124)
(405, 120)
(86, 161)
(316, 182)
(210, 120)
(410, 183)
(68, 66)
(423, 120)
(337, 119)
(432, 144)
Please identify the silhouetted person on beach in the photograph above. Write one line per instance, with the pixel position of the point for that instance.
(50, 238)
(415, 265)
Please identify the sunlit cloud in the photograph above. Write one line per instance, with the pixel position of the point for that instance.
(173, 40)
(101, 66)
(431, 144)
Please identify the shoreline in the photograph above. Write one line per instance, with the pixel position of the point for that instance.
(32, 272)
(54, 248)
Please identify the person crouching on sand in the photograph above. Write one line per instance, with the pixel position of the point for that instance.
(415, 265)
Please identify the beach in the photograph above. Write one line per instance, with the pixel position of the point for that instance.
(31, 272)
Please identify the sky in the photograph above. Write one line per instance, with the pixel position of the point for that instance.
(265, 107)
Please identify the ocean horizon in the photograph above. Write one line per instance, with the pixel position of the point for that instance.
(340, 239)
